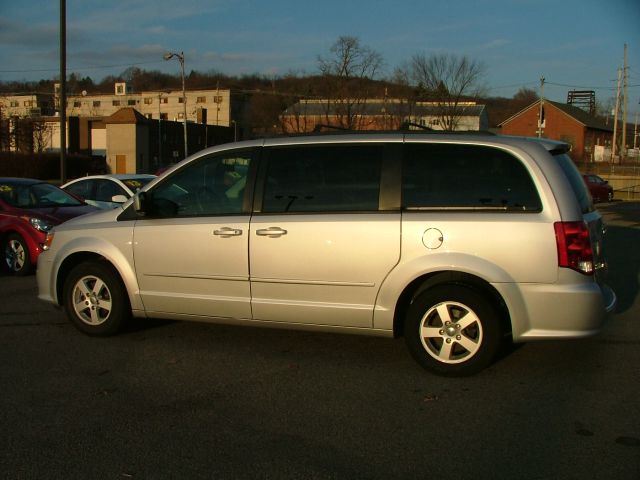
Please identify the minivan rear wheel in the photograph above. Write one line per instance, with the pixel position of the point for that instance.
(95, 299)
(452, 330)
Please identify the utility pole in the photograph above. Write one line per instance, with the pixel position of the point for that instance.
(541, 112)
(159, 130)
(623, 148)
(635, 133)
(63, 91)
(615, 118)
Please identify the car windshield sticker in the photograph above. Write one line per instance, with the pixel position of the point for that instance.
(133, 183)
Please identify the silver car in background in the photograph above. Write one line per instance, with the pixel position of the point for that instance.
(459, 243)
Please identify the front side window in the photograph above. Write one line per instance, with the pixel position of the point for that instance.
(214, 185)
(323, 179)
(447, 176)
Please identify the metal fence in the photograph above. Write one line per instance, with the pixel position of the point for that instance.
(623, 177)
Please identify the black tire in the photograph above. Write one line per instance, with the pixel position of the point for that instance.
(17, 258)
(95, 299)
(465, 345)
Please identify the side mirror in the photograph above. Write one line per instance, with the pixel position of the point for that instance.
(119, 199)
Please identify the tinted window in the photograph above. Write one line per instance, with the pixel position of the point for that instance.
(577, 182)
(213, 185)
(323, 179)
(465, 176)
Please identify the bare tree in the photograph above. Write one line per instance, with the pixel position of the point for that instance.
(447, 80)
(347, 72)
(42, 133)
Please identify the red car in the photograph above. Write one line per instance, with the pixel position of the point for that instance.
(28, 210)
(599, 188)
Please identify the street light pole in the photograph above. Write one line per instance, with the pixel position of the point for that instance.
(180, 57)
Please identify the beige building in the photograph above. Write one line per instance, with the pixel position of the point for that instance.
(210, 107)
(23, 106)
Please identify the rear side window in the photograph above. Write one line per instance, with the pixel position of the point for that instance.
(447, 176)
(337, 178)
(106, 190)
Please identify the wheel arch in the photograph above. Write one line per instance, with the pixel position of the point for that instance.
(430, 280)
(76, 258)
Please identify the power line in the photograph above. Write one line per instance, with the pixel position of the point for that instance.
(99, 67)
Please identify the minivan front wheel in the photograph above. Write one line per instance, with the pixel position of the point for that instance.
(95, 299)
(452, 330)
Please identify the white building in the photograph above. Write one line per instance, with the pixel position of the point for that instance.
(211, 107)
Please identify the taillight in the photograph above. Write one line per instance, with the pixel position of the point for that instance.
(574, 246)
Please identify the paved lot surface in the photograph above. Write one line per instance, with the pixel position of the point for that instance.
(188, 400)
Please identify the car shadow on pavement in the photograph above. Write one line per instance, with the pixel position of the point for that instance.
(622, 250)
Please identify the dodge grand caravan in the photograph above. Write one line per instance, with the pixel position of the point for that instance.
(456, 242)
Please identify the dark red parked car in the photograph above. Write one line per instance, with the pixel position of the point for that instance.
(28, 210)
(599, 188)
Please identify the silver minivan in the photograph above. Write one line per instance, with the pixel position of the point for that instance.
(459, 243)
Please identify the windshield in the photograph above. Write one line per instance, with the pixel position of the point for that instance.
(36, 195)
(577, 183)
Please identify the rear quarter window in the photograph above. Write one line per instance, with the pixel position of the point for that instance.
(446, 176)
(576, 181)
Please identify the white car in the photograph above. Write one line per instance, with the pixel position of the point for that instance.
(107, 191)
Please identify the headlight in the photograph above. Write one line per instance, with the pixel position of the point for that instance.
(40, 224)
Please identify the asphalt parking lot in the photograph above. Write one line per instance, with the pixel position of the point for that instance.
(190, 400)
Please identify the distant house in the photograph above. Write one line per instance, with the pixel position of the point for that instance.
(562, 122)
(373, 114)
(465, 116)
(381, 114)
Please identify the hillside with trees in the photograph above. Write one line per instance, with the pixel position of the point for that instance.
(347, 75)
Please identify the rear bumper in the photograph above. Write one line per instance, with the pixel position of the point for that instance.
(548, 311)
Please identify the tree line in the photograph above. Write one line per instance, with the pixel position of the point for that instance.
(347, 76)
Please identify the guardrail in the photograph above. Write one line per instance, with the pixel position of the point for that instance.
(632, 193)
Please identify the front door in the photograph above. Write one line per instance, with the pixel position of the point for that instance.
(191, 253)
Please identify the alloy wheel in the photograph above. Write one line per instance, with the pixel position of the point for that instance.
(92, 300)
(15, 255)
(451, 332)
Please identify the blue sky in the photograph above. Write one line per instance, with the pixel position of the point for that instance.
(572, 43)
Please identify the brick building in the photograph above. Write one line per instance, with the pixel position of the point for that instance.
(562, 122)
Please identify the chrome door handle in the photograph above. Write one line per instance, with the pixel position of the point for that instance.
(226, 232)
(274, 232)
